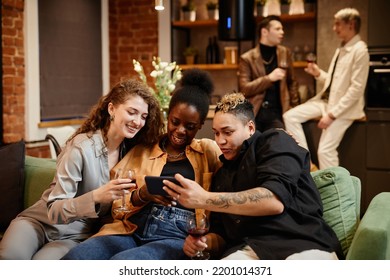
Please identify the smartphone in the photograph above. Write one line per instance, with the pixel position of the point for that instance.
(155, 184)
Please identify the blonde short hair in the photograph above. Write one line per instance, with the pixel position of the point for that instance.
(348, 15)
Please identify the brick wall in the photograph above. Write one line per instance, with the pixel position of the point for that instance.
(133, 34)
(13, 70)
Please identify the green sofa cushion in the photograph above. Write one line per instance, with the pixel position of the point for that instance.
(340, 194)
(39, 173)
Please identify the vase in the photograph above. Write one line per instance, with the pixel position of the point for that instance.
(296, 7)
(272, 7)
(189, 15)
(213, 14)
(190, 59)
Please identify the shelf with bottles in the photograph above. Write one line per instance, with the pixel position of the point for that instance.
(309, 16)
(220, 66)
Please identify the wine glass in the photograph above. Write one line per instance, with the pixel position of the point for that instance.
(283, 64)
(311, 58)
(283, 61)
(197, 228)
(130, 174)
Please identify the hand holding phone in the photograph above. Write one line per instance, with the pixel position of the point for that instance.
(155, 184)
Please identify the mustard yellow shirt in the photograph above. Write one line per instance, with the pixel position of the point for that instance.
(203, 155)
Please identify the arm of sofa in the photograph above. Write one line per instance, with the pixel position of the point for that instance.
(38, 172)
(372, 238)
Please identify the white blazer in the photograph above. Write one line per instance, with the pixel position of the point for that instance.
(346, 96)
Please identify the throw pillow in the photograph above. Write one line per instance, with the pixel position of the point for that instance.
(11, 181)
(341, 202)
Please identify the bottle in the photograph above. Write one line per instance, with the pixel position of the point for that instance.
(216, 50)
(209, 52)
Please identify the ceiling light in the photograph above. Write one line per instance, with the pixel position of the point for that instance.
(159, 5)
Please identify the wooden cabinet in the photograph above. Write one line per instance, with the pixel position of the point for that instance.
(300, 30)
(364, 152)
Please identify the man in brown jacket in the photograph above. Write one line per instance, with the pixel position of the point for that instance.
(266, 76)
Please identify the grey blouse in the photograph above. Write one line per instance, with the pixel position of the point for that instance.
(66, 209)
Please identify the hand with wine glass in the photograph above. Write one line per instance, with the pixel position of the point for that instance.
(312, 67)
(198, 226)
(126, 174)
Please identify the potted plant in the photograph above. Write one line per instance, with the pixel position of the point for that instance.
(190, 54)
(189, 11)
(212, 9)
(259, 7)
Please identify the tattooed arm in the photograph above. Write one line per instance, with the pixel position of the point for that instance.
(253, 202)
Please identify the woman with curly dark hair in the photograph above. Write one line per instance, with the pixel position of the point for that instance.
(81, 191)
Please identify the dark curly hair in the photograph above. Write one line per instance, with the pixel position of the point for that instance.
(99, 117)
(195, 89)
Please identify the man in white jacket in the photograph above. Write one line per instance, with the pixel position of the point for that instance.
(341, 101)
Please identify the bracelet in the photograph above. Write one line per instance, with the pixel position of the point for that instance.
(139, 196)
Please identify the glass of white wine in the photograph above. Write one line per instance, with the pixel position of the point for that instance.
(130, 174)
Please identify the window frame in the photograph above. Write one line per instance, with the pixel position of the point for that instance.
(35, 130)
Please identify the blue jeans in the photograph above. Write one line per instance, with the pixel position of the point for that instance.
(160, 236)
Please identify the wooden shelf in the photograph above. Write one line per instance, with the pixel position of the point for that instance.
(196, 23)
(310, 16)
(294, 18)
(209, 66)
(296, 64)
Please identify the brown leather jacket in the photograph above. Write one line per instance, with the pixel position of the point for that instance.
(253, 81)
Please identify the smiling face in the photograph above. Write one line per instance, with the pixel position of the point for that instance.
(230, 132)
(129, 117)
(183, 124)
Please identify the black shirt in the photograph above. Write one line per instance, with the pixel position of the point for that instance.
(273, 160)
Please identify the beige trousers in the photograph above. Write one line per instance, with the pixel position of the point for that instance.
(330, 137)
(248, 254)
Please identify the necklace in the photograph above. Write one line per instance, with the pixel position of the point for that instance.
(168, 154)
(269, 61)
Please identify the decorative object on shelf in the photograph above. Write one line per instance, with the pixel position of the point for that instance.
(189, 11)
(272, 7)
(259, 4)
(209, 51)
(159, 5)
(297, 53)
(296, 7)
(165, 75)
(231, 55)
(212, 9)
(212, 51)
(190, 54)
(216, 57)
